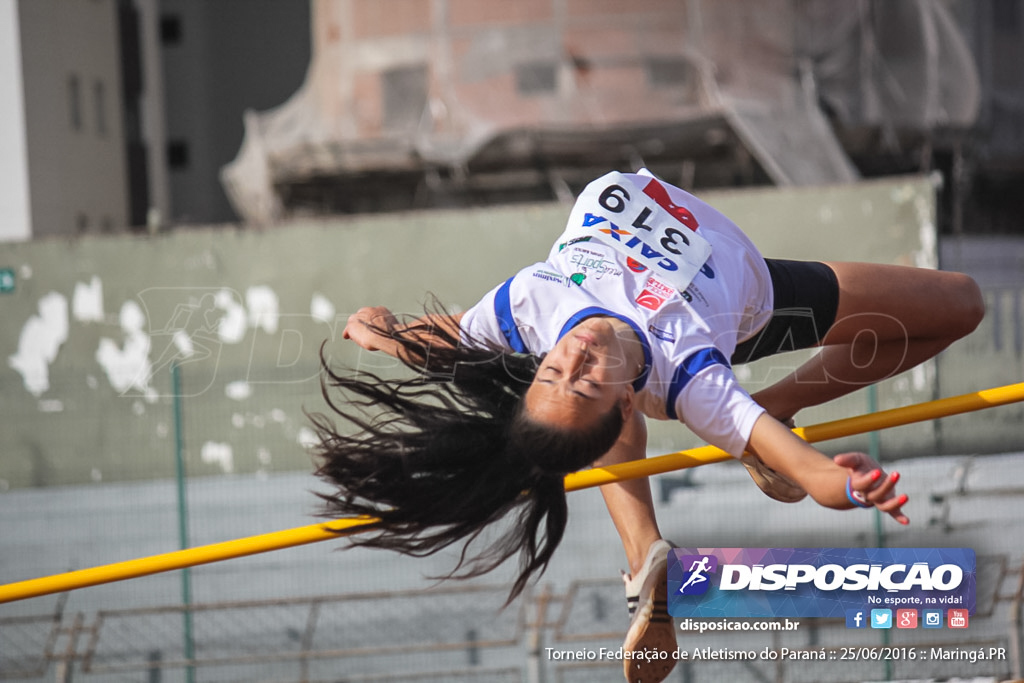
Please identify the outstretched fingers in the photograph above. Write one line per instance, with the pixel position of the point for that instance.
(870, 483)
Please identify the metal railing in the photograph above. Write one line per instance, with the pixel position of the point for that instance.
(454, 634)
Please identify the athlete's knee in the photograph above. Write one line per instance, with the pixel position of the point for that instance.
(966, 307)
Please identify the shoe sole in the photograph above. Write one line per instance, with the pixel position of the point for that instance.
(773, 484)
(655, 632)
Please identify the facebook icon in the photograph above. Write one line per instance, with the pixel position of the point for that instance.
(855, 618)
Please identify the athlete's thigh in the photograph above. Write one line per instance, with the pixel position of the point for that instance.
(902, 302)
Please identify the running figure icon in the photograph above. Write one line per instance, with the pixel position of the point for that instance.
(697, 571)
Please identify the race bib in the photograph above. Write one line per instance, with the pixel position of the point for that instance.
(636, 217)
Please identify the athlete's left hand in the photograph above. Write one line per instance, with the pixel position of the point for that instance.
(879, 488)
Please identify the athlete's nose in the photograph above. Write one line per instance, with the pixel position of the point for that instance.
(577, 359)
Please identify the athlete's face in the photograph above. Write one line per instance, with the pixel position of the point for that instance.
(588, 371)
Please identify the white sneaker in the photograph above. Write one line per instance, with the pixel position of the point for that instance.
(773, 484)
(650, 626)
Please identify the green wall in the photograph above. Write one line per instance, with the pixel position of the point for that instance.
(194, 297)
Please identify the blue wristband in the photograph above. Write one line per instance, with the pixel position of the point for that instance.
(856, 497)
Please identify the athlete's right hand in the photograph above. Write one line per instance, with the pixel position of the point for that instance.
(358, 328)
(877, 486)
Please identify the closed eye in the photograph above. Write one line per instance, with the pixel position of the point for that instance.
(551, 375)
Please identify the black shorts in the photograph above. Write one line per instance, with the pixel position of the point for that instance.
(806, 300)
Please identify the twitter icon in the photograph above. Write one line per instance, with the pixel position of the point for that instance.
(881, 618)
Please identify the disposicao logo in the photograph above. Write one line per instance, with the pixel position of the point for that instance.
(818, 582)
(696, 580)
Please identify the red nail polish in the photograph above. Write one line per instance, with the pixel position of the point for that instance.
(895, 476)
(904, 499)
(875, 475)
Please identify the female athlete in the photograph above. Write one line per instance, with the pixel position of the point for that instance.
(642, 307)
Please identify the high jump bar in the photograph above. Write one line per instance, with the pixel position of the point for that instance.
(598, 476)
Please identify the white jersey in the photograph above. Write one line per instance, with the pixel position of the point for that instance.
(688, 337)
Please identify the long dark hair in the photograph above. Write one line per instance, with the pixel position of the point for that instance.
(440, 456)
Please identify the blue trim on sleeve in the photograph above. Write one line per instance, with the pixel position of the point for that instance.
(640, 382)
(694, 363)
(503, 311)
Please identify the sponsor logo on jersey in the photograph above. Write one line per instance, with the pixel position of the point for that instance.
(635, 265)
(655, 294)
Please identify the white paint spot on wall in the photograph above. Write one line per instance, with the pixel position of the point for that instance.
(278, 415)
(132, 318)
(96, 475)
(306, 437)
(51, 405)
(87, 301)
(237, 420)
(128, 367)
(231, 327)
(205, 259)
(927, 255)
(39, 342)
(213, 453)
(919, 377)
(320, 308)
(263, 308)
(901, 194)
(239, 391)
(183, 343)
(263, 458)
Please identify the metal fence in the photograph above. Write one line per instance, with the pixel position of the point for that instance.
(460, 634)
(195, 464)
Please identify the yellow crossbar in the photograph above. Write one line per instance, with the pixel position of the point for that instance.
(217, 552)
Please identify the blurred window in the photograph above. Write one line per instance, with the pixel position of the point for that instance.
(75, 102)
(170, 29)
(662, 71)
(1006, 15)
(535, 78)
(405, 96)
(100, 97)
(177, 155)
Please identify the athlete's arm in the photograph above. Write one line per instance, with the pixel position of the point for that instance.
(824, 478)
(629, 502)
(371, 326)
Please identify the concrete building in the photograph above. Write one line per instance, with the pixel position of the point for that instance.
(115, 114)
(219, 60)
(65, 170)
(417, 103)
